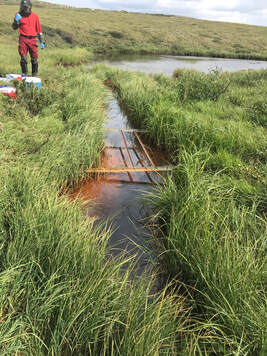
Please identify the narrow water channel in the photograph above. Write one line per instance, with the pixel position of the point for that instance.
(115, 199)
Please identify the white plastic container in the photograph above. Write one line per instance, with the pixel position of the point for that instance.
(33, 80)
(14, 76)
(4, 89)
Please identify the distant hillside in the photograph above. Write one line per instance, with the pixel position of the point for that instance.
(120, 31)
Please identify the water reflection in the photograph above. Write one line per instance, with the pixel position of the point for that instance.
(167, 64)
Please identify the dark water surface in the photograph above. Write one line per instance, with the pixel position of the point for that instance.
(167, 64)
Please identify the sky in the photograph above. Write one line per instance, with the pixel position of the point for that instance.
(253, 12)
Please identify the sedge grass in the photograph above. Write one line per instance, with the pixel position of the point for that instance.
(212, 211)
(60, 294)
(216, 244)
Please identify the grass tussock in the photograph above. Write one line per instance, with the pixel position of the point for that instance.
(212, 212)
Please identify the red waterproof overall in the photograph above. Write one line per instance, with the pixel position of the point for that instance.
(28, 45)
(29, 29)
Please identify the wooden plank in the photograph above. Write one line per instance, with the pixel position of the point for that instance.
(144, 149)
(111, 181)
(126, 165)
(142, 164)
(128, 153)
(123, 170)
(118, 148)
(124, 130)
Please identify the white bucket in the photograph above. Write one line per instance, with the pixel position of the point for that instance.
(36, 82)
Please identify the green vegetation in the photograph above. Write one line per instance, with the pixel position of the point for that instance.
(60, 294)
(119, 31)
(212, 213)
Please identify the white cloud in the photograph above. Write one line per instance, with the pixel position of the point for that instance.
(243, 11)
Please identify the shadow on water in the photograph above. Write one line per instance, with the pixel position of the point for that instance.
(115, 201)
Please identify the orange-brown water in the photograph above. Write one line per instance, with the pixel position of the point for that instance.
(116, 199)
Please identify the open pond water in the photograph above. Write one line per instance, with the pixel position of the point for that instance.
(167, 64)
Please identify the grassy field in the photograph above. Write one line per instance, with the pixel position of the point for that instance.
(59, 294)
(212, 213)
(119, 31)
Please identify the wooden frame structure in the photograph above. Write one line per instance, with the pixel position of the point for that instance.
(131, 168)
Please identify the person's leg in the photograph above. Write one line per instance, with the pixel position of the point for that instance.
(34, 56)
(23, 51)
(34, 66)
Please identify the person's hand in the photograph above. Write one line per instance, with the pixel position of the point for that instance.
(42, 45)
(18, 17)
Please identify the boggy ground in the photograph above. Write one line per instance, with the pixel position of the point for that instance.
(59, 295)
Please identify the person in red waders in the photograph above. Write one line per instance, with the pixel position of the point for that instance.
(29, 28)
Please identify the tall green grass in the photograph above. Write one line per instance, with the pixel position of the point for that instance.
(216, 246)
(60, 293)
(211, 213)
(176, 120)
